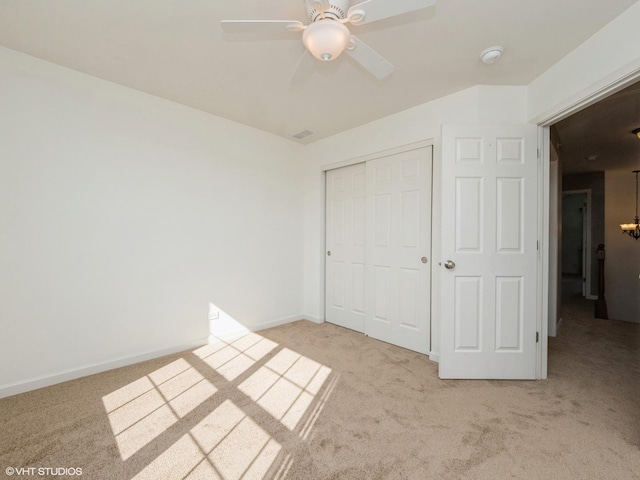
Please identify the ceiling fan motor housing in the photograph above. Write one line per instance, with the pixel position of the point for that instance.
(336, 10)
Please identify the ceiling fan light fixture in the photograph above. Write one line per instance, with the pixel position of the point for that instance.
(326, 39)
(636, 132)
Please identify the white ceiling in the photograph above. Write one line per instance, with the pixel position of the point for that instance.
(176, 50)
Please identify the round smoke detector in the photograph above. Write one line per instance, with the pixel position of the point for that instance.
(491, 55)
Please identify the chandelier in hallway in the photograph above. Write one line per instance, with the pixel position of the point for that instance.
(633, 229)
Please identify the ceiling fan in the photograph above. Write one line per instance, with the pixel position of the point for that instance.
(326, 36)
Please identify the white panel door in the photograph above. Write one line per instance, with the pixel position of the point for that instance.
(345, 242)
(489, 252)
(399, 249)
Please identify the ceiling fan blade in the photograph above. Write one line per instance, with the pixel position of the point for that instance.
(369, 58)
(261, 26)
(374, 10)
(303, 69)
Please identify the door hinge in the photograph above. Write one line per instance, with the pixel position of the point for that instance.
(537, 337)
(538, 245)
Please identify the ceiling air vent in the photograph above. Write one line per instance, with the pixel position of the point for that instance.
(303, 134)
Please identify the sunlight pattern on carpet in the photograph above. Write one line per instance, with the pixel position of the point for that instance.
(142, 410)
(225, 444)
(209, 390)
(286, 385)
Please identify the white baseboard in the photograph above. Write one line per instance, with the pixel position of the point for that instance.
(277, 323)
(235, 330)
(313, 319)
(434, 357)
(232, 330)
(48, 380)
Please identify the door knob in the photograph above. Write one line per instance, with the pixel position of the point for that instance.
(329, 253)
(424, 259)
(449, 265)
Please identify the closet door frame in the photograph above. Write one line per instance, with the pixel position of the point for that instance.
(435, 225)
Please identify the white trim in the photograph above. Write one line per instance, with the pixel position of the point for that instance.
(91, 369)
(603, 88)
(238, 329)
(323, 242)
(544, 161)
(612, 83)
(384, 153)
(434, 357)
(277, 323)
(553, 279)
(426, 143)
(313, 319)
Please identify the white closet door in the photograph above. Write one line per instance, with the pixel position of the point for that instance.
(345, 243)
(399, 249)
(489, 252)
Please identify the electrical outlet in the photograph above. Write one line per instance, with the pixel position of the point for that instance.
(214, 312)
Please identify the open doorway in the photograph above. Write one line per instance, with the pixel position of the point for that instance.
(576, 243)
(595, 151)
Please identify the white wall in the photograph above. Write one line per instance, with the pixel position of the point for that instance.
(122, 216)
(481, 104)
(622, 263)
(592, 68)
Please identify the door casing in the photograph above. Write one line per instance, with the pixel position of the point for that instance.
(435, 219)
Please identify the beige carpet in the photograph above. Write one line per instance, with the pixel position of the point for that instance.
(307, 401)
